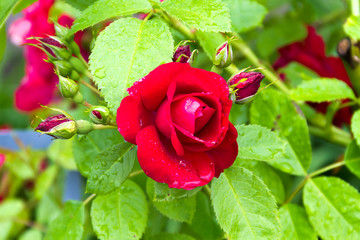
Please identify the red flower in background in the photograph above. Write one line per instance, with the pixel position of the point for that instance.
(39, 83)
(178, 117)
(311, 53)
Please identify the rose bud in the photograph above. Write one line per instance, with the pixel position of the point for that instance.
(54, 47)
(223, 56)
(68, 87)
(182, 54)
(99, 114)
(59, 127)
(245, 85)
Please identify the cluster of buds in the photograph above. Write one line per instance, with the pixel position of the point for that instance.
(183, 54)
(244, 86)
(223, 55)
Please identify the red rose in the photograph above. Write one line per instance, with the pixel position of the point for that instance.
(178, 117)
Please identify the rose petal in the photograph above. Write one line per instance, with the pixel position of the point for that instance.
(225, 154)
(159, 161)
(132, 117)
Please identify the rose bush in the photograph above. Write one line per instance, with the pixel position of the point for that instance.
(178, 117)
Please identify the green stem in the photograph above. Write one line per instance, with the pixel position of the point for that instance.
(332, 135)
(297, 189)
(101, 127)
(326, 168)
(207, 190)
(216, 69)
(176, 24)
(92, 88)
(133, 174)
(311, 175)
(87, 200)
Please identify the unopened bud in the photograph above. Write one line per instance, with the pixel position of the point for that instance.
(68, 87)
(182, 54)
(245, 85)
(223, 56)
(99, 114)
(55, 48)
(58, 126)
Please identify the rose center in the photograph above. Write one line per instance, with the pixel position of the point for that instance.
(191, 113)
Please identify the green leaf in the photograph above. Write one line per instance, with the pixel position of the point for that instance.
(121, 214)
(86, 148)
(210, 41)
(245, 14)
(294, 223)
(322, 90)
(352, 158)
(60, 152)
(273, 109)
(329, 202)
(355, 126)
(47, 209)
(111, 168)
(45, 180)
(267, 174)
(69, 224)
(126, 51)
(164, 193)
(6, 8)
(258, 143)
(352, 27)
(31, 234)
(171, 236)
(9, 209)
(80, 4)
(210, 16)
(105, 9)
(181, 210)
(18, 166)
(244, 205)
(2, 42)
(203, 222)
(281, 34)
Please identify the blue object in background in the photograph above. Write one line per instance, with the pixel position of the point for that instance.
(39, 141)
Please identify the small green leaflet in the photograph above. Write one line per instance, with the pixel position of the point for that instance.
(352, 27)
(69, 224)
(258, 143)
(181, 209)
(322, 90)
(111, 168)
(352, 158)
(45, 180)
(355, 126)
(164, 193)
(171, 236)
(333, 208)
(121, 214)
(294, 223)
(105, 9)
(86, 148)
(126, 51)
(244, 205)
(266, 173)
(209, 16)
(245, 14)
(273, 109)
(80, 4)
